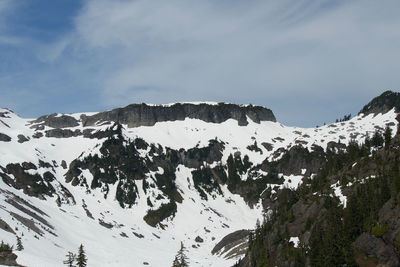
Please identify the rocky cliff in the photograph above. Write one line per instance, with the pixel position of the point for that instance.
(136, 115)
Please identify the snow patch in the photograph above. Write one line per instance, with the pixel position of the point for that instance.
(295, 240)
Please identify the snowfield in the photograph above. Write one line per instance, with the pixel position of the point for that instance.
(116, 236)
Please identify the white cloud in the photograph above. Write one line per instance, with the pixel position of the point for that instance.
(216, 49)
(238, 51)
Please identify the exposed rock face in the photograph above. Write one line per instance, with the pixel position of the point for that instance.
(4, 226)
(122, 163)
(303, 211)
(382, 103)
(64, 164)
(66, 133)
(195, 157)
(4, 138)
(198, 239)
(8, 259)
(136, 115)
(297, 159)
(32, 184)
(22, 138)
(268, 146)
(143, 115)
(229, 239)
(5, 114)
(37, 135)
(232, 245)
(56, 121)
(62, 133)
(377, 248)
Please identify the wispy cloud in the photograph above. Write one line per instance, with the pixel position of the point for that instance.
(287, 55)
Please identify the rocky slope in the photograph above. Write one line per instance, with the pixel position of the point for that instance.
(145, 178)
(347, 214)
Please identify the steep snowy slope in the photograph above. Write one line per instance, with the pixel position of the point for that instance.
(64, 185)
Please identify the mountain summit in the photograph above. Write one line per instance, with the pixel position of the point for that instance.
(383, 103)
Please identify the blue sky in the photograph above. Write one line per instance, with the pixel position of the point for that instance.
(309, 61)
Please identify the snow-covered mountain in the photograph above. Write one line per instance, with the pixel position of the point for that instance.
(131, 184)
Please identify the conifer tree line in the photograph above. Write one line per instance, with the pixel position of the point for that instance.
(76, 260)
(335, 230)
(345, 118)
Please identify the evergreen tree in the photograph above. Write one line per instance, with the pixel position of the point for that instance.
(81, 259)
(175, 263)
(181, 260)
(250, 243)
(377, 139)
(19, 244)
(70, 259)
(4, 247)
(387, 136)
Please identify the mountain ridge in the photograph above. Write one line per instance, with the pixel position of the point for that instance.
(136, 115)
(146, 114)
(139, 186)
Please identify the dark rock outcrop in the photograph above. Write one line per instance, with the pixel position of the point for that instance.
(267, 146)
(32, 184)
(5, 124)
(233, 245)
(144, 115)
(229, 239)
(22, 138)
(296, 159)
(4, 114)
(4, 226)
(155, 217)
(37, 135)
(64, 164)
(4, 138)
(55, 121)
(195, 157)
(198, 239)
(8, 258)
(62, 133)
(377, 248)
(35, 185)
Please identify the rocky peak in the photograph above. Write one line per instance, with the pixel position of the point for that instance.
(136, 115)
(383, 103)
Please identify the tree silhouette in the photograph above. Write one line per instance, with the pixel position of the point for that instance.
(81, 259)
(19, 244)
(69, 261)
(181, 260)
